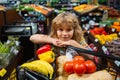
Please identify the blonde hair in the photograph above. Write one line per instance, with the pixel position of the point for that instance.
(70, 20)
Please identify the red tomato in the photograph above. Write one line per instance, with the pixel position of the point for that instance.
(68, 67)
(79, 68)
(90, 66)
(79, 58)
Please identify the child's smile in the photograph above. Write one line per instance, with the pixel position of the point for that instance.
(65, 33)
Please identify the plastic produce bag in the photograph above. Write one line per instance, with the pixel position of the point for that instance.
(70, 53)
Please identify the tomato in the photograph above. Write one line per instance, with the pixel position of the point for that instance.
(79, 58)
(79, 68)
(90, 66)
(68, 67)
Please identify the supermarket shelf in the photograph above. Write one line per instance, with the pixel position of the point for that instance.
(13, 64)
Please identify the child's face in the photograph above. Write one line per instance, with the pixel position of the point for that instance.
(65, 33)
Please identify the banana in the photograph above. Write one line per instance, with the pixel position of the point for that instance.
(36, 67)
(47, 65)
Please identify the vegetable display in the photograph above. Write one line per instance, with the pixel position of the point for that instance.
(8, 50)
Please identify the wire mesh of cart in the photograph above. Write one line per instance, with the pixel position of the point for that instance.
(26, 74)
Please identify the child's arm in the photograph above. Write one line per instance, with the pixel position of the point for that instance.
(41, 38)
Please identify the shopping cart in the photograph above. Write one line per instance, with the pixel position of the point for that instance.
(25, 74)
(111, 68)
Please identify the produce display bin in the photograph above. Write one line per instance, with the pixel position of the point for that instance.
(13, 75)
(25, 74)
(14, 62)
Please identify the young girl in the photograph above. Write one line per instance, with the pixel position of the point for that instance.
(65, 30)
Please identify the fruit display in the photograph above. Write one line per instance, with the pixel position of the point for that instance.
(106, 38)
(84, 8)
(111, 11)
(33, 7)
(116, 25)
(8, 50)
(98, 31)
(104, 34)
(114, 47)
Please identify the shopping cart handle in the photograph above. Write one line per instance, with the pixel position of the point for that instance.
(94, 53)
(30, 76)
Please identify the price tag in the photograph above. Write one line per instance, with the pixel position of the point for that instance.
(113, 30)
(88, 32)
(27, 28)
(90, 14)
(31, 12)
(117, 63)
(96, 40)
(105, 50)
(119, 33)
(25, 14)
(2, 72)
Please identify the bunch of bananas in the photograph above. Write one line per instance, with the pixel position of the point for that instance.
(40, 66)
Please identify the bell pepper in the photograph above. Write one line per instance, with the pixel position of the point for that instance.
(48, 56)
(43, 49)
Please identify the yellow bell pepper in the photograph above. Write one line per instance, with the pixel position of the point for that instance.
(48, 56)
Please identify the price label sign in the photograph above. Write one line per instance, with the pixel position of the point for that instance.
(96, 40)
(119, 33)
(105, 50)
(2, 72)
(113, 29)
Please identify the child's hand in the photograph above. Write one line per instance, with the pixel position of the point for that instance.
(72, 43)
(57, 42)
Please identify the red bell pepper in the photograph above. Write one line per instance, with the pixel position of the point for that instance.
(43, 49)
